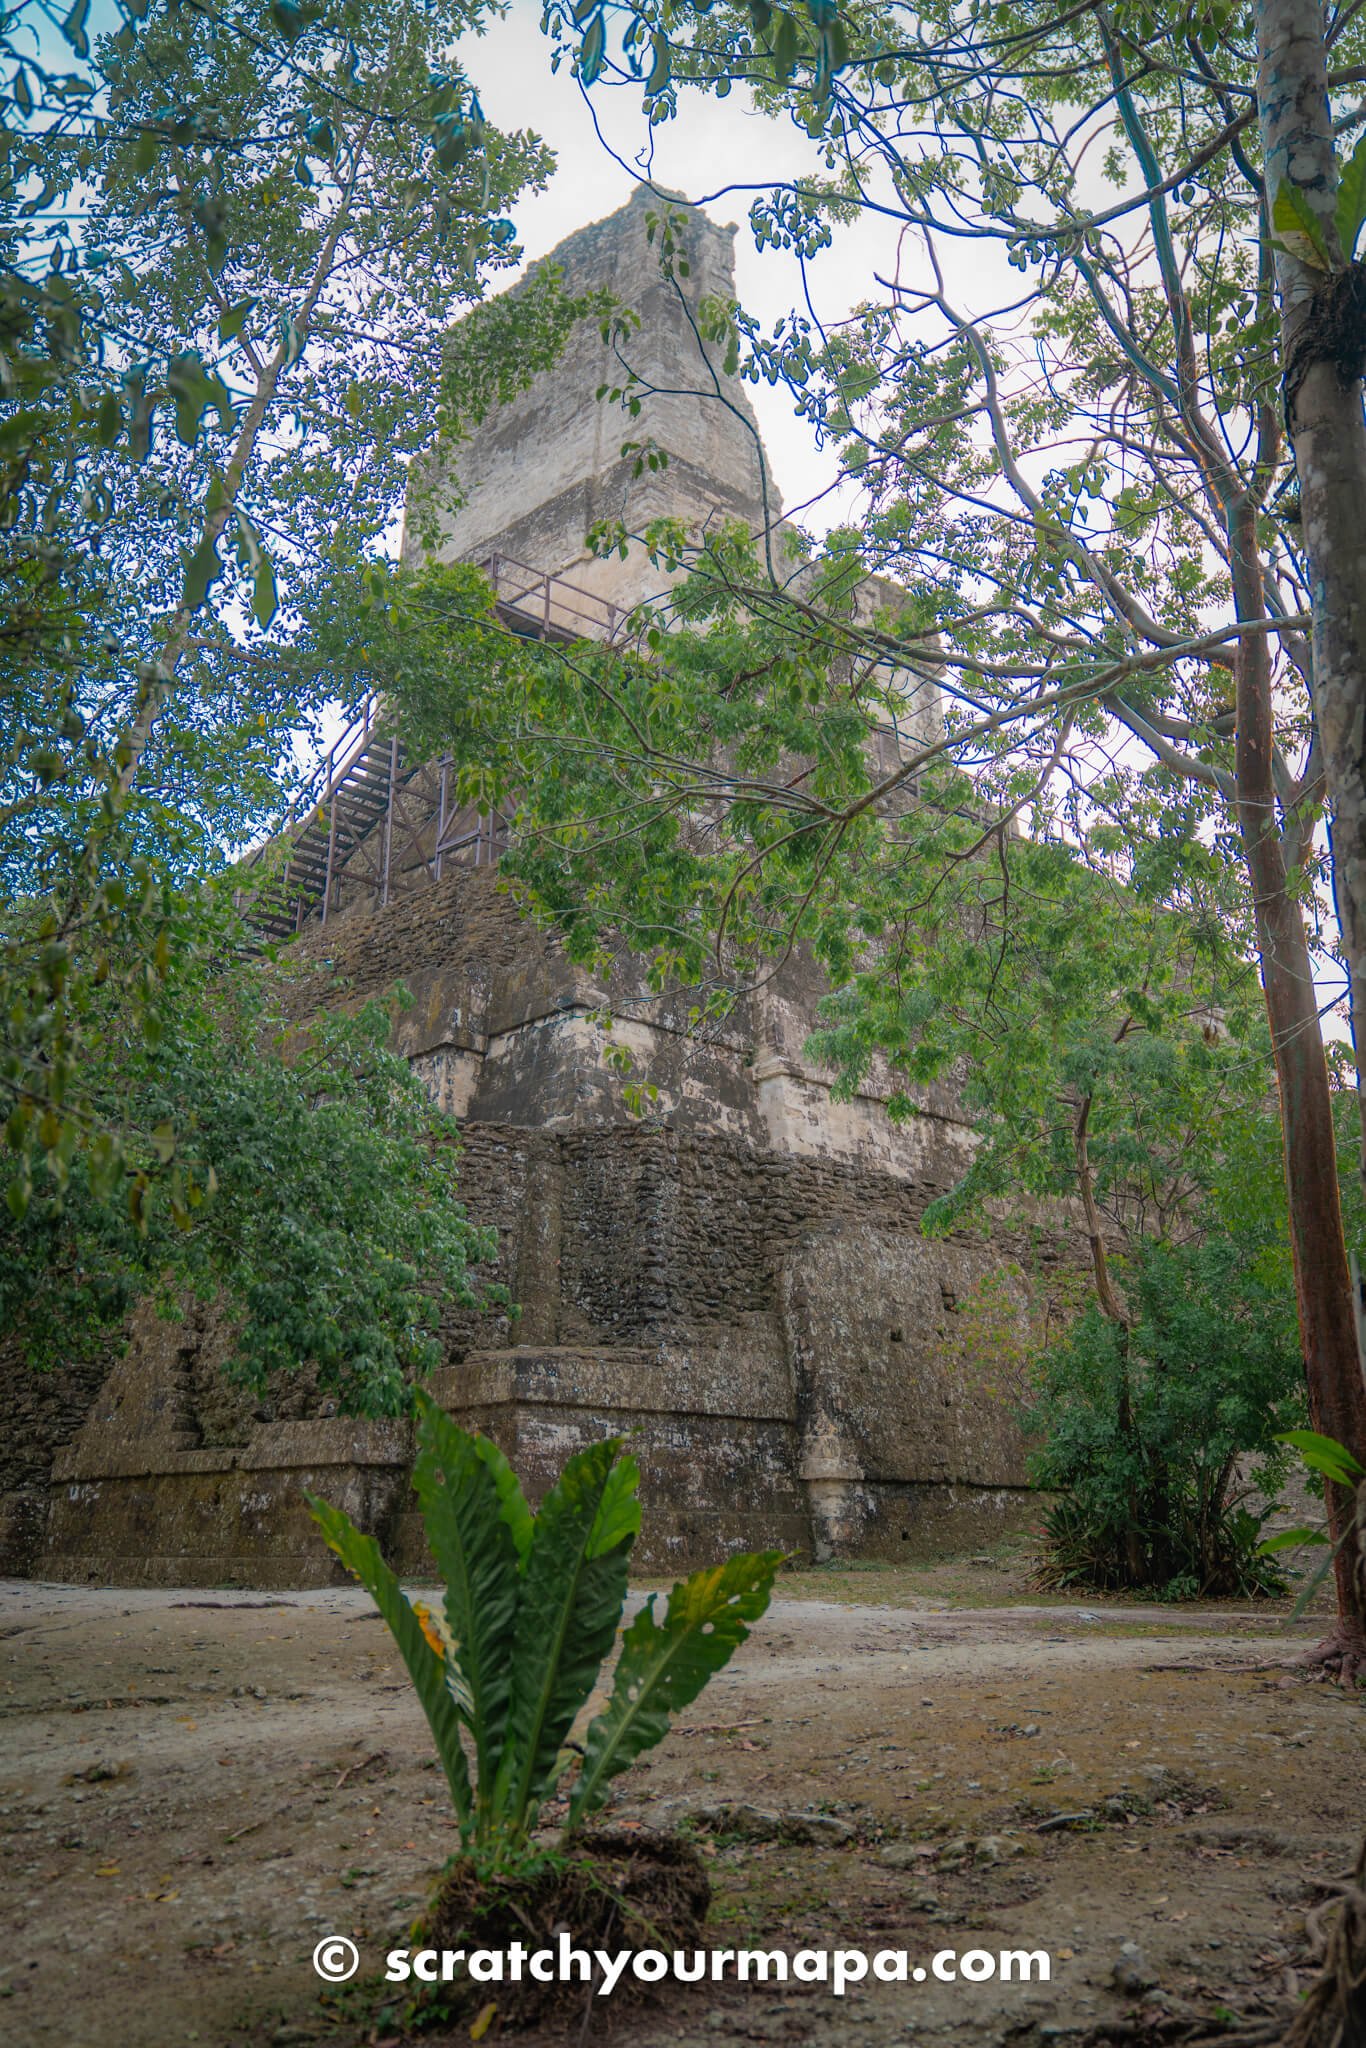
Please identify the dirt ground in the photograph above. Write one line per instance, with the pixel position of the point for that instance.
(195, 1788)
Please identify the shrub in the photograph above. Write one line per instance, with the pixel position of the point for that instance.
(1147, 1431)
(529, 1613)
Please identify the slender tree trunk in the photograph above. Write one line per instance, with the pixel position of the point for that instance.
(1337, 1391)
(1323, 349)
(1111, 1308)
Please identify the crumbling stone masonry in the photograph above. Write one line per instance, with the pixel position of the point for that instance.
(739, 1284)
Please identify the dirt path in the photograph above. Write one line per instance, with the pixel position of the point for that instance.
(195, 1788)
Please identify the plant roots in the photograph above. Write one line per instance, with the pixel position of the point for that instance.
(1341, 1655)
(612, 1888)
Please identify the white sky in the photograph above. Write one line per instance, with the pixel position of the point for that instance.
(711, 144)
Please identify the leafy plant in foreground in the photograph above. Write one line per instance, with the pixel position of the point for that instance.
(530, 1611)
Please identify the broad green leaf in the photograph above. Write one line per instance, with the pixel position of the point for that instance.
(618, 1516)
(108, 420)
(290, 19)
(426, 1666)
(832, 54)
(194, 390)
(202, 569)
(785, 48)
(477, 1557)
(265, 598)
(594, 49)
(571, 1601)
(250, 552)
(1299, 227)
(1324, 1454)
(512, 1501)
(232, 322)
(660, 67)
(664, 1666)
(1290, 1539)
(1351, 201)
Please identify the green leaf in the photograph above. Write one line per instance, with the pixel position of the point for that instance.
(1299, 227)
(193, 391)
(472, 1540)
(1307, 1592)
(290, 19)
(594, 49)
(660, 68)
(1290, 1539)
(235, 319)
(664, 1666)
(293, 340)
(108, 420)
(427, 1669)
(1350, 212)
(202, 570)
(573, 1589)
(618, 1517)
(1324, 1454)
(265, 598)
(785, 48)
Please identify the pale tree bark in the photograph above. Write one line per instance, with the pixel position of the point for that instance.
(1323, 330)
(1323, 326)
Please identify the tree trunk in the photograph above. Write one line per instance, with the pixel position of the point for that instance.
(1323, 327)
(1111, 1308)
(1332, 1366)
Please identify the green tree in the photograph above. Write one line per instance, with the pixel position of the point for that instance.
(306, 1189)
(244, 233)
(1144, 1427)
(239, 236)
(1078, 464)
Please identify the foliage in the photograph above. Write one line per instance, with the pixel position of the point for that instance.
(1323, 1458)
(529, 1613)
(243, 233)
(305, 1188)
(1051, 982)
(1144, 1428)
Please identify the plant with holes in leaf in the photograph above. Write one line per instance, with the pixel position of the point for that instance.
(506, 1664)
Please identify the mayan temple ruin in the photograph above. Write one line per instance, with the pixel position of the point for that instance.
(738, 1282)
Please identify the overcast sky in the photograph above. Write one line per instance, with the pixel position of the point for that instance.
(713, 143)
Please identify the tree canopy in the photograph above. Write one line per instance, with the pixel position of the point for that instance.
(242, 234)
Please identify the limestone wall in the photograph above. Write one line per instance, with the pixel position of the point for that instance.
(746, 1292)
(537, 475)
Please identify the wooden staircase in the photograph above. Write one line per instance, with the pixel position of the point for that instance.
(371, 823)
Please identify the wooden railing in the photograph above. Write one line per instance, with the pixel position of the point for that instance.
(368, 823)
